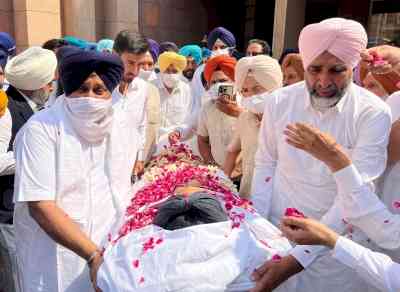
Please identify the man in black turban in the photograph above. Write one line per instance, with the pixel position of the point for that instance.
(73, 168)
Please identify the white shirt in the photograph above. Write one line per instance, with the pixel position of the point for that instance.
(7, 161)
(176, 107)
(286, 177)
(375, 268)
(89, 182)
(134, 104)
(363, 209)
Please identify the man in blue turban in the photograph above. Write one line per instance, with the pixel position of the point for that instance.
(220, 38)
(7, 43)
(154, 49)
(168, 47)
(194, 58)
(73, 170)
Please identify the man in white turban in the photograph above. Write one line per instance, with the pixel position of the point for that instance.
(285, 177)
(255, 77)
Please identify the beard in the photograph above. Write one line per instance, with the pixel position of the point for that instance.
(188, 74)
(323, 103)
(40, 97)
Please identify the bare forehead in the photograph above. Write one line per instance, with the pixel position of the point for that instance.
(326, 59)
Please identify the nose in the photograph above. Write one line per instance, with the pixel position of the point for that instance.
(324, 80)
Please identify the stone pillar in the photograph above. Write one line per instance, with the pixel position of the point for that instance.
(36, 22)
(120, 15)
(79, 18)
(289, 20)
(7, 16)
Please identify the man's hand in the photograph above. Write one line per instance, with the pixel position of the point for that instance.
(388, 56)
(229, 107)
(308, 231)
(138, 170)
(94, 268)
(174, 137)
(320, 145)
(273, 273)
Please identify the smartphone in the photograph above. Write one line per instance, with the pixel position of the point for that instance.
(226, 91)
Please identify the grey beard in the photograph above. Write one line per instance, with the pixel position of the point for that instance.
(322, 103)
(39, 97)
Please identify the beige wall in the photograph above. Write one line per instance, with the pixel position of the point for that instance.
(36, 21)
(289, 20)
(7, 16)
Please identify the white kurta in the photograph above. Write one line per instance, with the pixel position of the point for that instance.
(176, 107)
(90, 183)
(286, 177)
(375, 268)
(134, 105)
(363, 209)
(7, 161)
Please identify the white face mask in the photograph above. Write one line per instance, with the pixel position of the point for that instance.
(170, 80)
(254, 103)
(145, 74)
(91, 117)
(220, 52)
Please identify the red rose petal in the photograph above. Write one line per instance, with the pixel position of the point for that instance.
(276, 258)
(293, 212)
(267, 179)
(141, 280)
(135, 264)
(396, 204)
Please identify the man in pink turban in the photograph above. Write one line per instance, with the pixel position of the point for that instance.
(287, 178)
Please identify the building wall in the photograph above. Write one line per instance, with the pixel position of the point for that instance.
(179, 21)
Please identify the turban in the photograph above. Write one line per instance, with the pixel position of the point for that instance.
(223, 34)
(294, 60)
(105, 45)
(180, 212)
(7, 43)
(168, 47)
(76, 65)
(263, 68)
(73, 41)
(32, 69)
(193, 51)
(341, 37)
(154, 49)
(171, 58)
(224, 63)
(3, 58)
(3, 102)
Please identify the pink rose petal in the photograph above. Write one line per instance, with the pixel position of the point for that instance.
(293, 212)
(135, 264)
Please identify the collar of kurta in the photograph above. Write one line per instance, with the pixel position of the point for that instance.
(338, 107)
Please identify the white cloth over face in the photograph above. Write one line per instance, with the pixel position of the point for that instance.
(7, 161)
(375, 268)
(32, 69)
(189, 259)
(89, 183)
(360, 122)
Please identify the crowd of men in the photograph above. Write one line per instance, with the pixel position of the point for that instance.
(317, 130)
